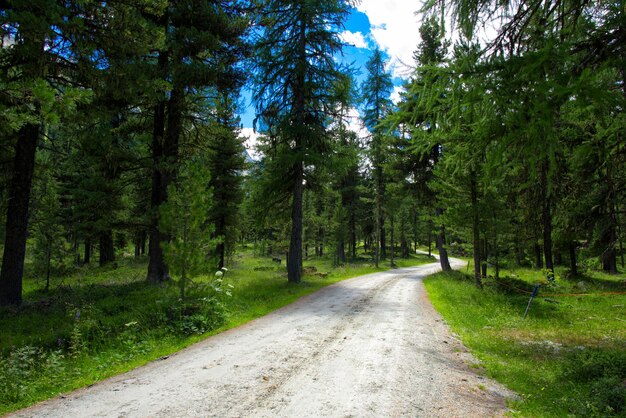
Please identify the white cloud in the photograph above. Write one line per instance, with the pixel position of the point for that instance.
(395, 94)
(355, 124)
(354, 38)
(251, 141)
(395, 29)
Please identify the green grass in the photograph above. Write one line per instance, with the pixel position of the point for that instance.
(568, 358)
(98, 322)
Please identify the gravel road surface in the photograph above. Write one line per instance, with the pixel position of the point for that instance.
(371, 346)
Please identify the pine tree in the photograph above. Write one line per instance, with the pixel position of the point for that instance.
(202, 42)
(30, 74)
(225, 162)
(185, 218)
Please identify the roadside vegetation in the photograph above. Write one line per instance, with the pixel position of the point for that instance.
(100, 321)
(567, 358)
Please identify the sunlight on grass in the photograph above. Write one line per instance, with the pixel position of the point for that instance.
(566, 358)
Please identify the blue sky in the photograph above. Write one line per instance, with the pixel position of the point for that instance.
(391, 25)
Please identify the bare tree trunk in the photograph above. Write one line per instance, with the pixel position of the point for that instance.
(87, 257)
(572, 258)
(518, 255)
(48, 262)
(547, 218)
(484, 257)
(538, 258)
(441, 242)
(157, 270)
(294, 263)
(353, 235)
(430, 238)
(17, 216)
(475, 229)
(107, 249)
(393, 243)
(220, 248)
(18, 207)
(377, 245)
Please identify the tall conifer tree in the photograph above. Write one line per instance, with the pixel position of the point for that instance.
(376, 90)
(295, 74)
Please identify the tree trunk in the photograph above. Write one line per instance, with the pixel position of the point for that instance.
(294, 263)
(294, 256)
(393, 243)
(17, 216)
(547, 218)
(341, 252)
(415, 242)
(48, 262)
(538, 258)
(518, 255)
(107, 249)
(383, 239)
(609, 239)
(475, 229)
(609, 261)
(441, 242)
(484, 256)
(353, 235)
(143, 241)
(496, 259)
(404, 245)
(430, 238)
(157, 270)
(137, 245)
(76, 251)
(572, 258)
(558, 259)
(377, 245)
(87, 256)
(220, 248)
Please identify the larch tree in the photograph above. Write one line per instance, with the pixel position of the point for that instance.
(375, 91)
(295, 73)
(417, 114)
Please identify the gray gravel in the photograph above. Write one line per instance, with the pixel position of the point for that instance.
(371, 346)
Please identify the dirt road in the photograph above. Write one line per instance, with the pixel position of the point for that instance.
(372, 346)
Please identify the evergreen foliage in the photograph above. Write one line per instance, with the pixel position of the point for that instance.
(184, 217)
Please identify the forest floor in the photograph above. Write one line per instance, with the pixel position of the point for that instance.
(360, 347)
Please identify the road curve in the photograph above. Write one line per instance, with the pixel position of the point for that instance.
(372, 346)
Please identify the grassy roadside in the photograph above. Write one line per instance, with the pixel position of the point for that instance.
(100, 322)
(568, 358)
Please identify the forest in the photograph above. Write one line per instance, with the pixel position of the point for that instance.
(121, 143)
